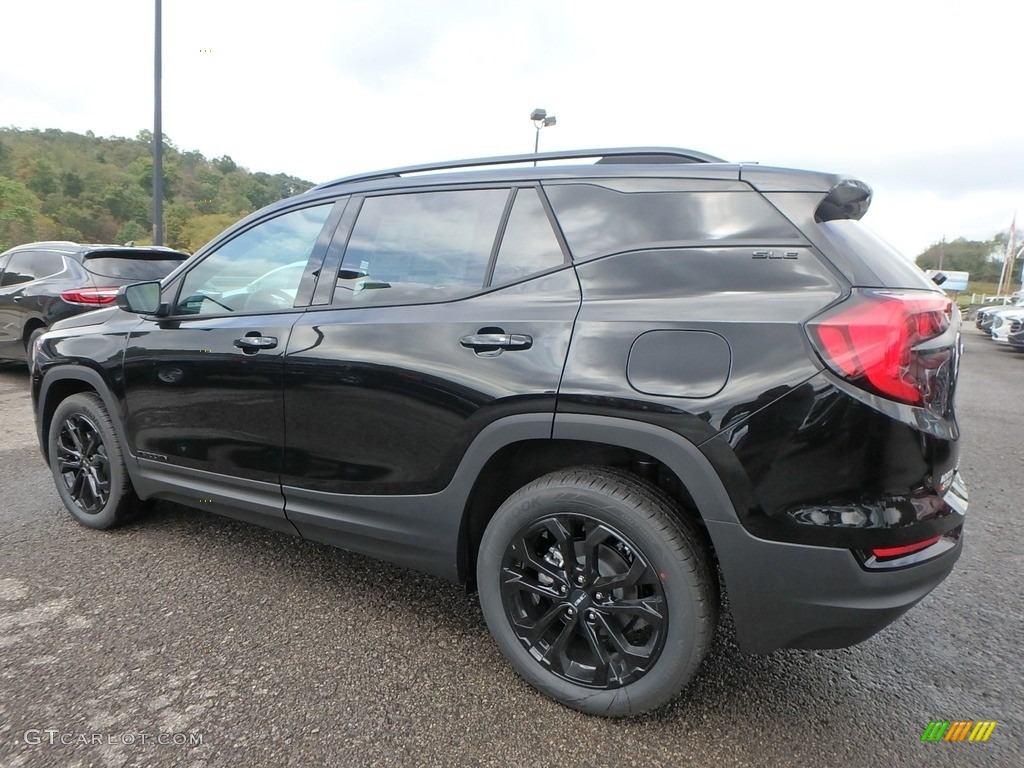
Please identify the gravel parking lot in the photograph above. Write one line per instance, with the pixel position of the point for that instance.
(191, 640)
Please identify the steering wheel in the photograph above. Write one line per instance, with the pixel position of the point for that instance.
(269, 299)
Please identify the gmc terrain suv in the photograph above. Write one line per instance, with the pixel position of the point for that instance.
(596, 392)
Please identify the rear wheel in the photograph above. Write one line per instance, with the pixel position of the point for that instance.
(597, 590)
(87, 463)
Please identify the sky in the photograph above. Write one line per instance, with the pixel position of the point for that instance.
(919, 99)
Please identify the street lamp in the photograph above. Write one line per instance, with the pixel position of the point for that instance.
(541, 119)
(158, 135)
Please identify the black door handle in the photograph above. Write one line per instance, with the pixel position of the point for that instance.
(491, 344)
(255, 343)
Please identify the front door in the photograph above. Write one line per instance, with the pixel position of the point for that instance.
(204, 384)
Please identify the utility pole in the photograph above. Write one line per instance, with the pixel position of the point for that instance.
(942, 248)
(158, 142)
(1006, 279)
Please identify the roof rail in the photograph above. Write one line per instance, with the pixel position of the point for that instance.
(613, 155)
(47, 244)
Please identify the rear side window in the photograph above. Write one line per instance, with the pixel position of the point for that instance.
(892, 269)
(529, 244)
(597, 220)
(26, 266)
(420, 247)
(132, 267)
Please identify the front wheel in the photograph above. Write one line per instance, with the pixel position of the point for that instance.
(87, 464)
(597, 590)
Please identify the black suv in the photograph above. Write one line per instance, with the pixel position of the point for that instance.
(41, 283)
(596, 392)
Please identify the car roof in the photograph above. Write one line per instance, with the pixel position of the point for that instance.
(573, 164)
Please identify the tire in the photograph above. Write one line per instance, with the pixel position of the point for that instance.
(87, 464)
(617, 639)
(31, 341)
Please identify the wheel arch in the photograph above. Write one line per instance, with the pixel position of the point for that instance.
(652, 453)
(59, 384)
(31, 326)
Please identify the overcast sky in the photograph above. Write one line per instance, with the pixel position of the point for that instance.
(919, 99)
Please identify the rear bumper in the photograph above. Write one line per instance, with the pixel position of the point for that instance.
(785, 595)
(796, 596)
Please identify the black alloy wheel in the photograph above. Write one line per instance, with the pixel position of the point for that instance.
(598, 589)
(87, 464)
(583, 600)
(83, 463)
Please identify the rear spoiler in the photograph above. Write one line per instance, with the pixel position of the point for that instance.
(849, 199)
(157, 252)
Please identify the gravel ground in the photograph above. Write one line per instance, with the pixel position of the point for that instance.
(258, 649)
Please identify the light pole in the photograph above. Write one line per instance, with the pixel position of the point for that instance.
(541, 119)
(158, 140)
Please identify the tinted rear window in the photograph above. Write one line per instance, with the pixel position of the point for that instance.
(858, 243)
(128, 268)
(598, 220)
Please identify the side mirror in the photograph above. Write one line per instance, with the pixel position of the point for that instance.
(350, 274)
(141, 298)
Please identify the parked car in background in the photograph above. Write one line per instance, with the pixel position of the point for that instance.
(985, 316)
(589, 390)
(1005, 323)
(41, 283)
(1015, 338)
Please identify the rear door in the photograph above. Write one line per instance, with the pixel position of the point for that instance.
(452, 308)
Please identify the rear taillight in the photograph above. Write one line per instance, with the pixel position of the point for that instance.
(883, 553)
(91, 297)
(871, 340)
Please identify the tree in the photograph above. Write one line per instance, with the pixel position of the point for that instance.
(72, 184)
(176, 217)
(979, 257)
(18, 210)
(125, 202)
(96, 189)
(130, 232)
(42, 179)
(142, 169)
(199, 230)
(225, 164)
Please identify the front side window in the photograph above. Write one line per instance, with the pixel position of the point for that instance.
(420, 247)
(257, 271)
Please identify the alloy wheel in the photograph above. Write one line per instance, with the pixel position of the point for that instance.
(83, 463)
(584, 601)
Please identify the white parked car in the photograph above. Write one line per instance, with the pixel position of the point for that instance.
(1006, 323)
(986, 316)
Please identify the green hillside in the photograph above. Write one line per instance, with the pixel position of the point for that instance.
(56, 185)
